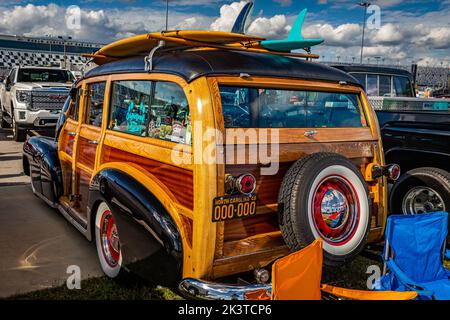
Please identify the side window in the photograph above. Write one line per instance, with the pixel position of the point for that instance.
(372, 85)
(75, 106)
(150, 109)
(385, 86)
(402, 87)
(94, 103)
(170, 118)
(130, 103)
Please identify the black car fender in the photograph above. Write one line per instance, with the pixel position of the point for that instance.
(40, 154)
(151, 244)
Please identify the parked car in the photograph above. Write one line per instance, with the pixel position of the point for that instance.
(32, 98)
(146, 160)
(382, 81)
(415, 133)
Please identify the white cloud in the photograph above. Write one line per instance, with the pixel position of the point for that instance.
(284, 3)
(274, 27)
(342, 35)
(228, 14)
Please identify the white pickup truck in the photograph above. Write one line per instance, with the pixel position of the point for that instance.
(32, 98)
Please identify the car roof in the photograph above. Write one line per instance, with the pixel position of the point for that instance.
(373, 69)
(192, 64)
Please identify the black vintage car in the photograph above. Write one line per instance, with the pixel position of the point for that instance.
(415, 134)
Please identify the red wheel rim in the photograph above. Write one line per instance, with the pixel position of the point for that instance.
(335, 210)
(109, 239)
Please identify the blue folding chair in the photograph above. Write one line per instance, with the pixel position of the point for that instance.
(413, 254)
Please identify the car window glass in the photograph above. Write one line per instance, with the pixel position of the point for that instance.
(372, 85)
(170, 118)
(385, 86)
(129, 106)
(402, 87)
(276, 108)
(74, 108)
(94, 103)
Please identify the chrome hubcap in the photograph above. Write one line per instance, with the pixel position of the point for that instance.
(109, 239)
(422, 200)
(335, 210)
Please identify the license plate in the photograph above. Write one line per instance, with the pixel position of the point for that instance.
(233, 207)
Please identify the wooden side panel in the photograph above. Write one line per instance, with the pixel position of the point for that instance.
(87, 152)
(67, 137)
(179, 181)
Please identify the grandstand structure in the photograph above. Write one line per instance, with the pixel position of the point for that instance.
(43, 51)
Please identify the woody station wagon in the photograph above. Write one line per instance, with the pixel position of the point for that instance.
(146, 161)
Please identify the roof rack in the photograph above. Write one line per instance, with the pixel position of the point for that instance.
(201, 39)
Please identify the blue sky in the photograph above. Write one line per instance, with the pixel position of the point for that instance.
(414, 30)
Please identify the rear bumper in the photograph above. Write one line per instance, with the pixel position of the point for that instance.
(203, 290)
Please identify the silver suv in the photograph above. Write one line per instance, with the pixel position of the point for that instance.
(32, 98)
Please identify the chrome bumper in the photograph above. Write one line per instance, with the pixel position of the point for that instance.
(198, 289)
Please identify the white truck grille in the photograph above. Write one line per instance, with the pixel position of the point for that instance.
(48, 99)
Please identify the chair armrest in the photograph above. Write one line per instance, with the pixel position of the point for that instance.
(408, 282)
(367, 295)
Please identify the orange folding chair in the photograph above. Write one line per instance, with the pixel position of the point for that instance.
(298, 277)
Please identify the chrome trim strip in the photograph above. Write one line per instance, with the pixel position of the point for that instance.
(203, 290)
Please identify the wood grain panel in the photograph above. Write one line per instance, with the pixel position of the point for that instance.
(294, 135)
(245, 228)
(238, 264)
(253, 244)
(254, 154)
(86, 152)
(80, 205)
(178, 181)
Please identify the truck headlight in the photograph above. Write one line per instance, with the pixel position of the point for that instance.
(23, 96)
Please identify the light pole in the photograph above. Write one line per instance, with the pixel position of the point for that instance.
(365, 5)
(167, 15)
(65, 49)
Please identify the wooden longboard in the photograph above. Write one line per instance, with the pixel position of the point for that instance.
(143, 44)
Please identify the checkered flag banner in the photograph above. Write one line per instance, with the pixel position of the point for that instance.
(11, 58)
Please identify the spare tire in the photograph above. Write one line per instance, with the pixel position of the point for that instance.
(325, 196)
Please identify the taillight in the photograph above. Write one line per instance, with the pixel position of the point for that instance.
(246, 183)
(393, 171)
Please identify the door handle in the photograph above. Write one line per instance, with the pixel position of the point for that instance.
(94, 142)
(310, 133)
(71, 134)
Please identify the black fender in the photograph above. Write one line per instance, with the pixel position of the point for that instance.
(409, 158)
(151, 244)
(41, 155)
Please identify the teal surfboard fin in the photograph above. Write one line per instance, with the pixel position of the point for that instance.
(295, 40)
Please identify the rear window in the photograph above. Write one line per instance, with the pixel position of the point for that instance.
(245, 107)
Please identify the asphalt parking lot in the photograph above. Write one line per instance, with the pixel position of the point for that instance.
(36, 243)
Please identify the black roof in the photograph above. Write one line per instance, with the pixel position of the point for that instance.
(191, 65)
(373, 69)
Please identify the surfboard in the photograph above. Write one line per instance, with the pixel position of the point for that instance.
(197, 39)
(294, 40)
